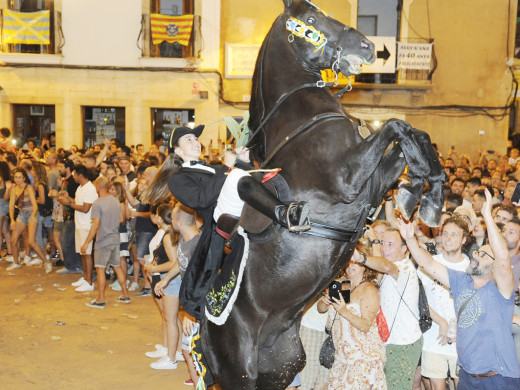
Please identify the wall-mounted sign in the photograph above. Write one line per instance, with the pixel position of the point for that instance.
(414, 55)
(240, 60)
(385, 55)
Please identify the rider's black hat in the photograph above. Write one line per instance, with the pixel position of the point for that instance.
(180, 131)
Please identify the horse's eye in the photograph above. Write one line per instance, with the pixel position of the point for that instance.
(311, 20)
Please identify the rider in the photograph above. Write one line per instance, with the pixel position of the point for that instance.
(213, 191)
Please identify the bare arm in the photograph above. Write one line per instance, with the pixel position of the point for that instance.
(502, 271)
(32, 196)
(379, 264)
(369, 307)
(421, 256)
(389, 213)
(94, 227)
(443, 326)
(103, 153)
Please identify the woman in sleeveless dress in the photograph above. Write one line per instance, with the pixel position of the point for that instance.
(360, 354)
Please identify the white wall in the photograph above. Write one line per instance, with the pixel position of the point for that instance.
(101, 32)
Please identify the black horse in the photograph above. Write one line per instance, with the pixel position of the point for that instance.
(300, 127)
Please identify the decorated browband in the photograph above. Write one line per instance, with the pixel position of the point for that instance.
(309, 33)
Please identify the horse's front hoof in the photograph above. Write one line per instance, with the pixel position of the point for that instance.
(430, 212)
(407, 198)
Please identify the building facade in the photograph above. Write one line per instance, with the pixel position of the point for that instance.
(101, 75)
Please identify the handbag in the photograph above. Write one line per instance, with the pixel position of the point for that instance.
(382, 326)
(327, 349)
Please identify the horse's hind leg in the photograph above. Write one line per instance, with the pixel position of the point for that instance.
(279, 363)
(231, 353)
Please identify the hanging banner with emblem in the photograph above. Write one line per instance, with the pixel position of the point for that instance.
(171, 28)
(414, 55)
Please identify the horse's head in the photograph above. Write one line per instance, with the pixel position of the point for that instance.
(323, 42)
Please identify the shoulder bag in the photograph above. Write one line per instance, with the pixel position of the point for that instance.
(328, 350)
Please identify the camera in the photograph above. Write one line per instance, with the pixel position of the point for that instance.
(340, 287)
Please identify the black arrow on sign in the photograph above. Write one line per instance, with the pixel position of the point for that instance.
(384, 54)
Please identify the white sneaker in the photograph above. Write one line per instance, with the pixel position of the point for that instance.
(13, 266)
(85, 287)
(78, 282)
(164, 364)
(179, 356)
(26, 260)
(159, 352)
(47, 267)
(35, 261)
(134, 286)
(9, 258)
(33, 254)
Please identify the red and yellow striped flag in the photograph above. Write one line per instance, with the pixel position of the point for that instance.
(171, 28)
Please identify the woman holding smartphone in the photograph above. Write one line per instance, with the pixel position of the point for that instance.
(360, 354)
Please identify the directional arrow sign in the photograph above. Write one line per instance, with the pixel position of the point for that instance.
(385, 55)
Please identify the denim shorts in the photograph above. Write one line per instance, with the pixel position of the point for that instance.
(24, 216)
(141, 242)
(173, 288)
(4, 208)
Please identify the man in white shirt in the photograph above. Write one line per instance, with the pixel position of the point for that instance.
(399, 292)
(86, 194)
(439, 354)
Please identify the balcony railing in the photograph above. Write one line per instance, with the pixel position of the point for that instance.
(57, 39)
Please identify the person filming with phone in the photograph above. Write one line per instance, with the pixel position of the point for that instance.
(359, 351)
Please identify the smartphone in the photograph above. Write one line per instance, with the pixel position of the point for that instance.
(516, 194)
(452, 147)
(491, 151)
(340, 287)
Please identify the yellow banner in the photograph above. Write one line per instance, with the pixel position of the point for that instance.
(26, 27)
(171, 28)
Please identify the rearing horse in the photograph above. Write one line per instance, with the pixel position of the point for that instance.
(300, 127)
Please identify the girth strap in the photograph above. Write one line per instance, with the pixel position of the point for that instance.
(318, 118)
(331, 233)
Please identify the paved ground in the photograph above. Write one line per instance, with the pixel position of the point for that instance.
(95, 349)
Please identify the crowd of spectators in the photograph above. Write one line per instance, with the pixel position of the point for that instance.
(72, 211)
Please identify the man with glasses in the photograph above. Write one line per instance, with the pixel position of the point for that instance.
(399, 292)
(484, 300)
(511, 232)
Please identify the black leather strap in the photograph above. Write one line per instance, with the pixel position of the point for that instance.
(331, 233)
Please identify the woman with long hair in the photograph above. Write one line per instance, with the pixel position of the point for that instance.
(165, 257)
(43, 200)
(5, 186)
(23, 198)
(359, 357)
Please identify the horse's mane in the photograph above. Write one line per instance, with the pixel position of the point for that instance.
(256, 105)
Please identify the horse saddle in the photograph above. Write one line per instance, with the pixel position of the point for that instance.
(252, 220)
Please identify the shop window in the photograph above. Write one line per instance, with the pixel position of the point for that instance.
(32, 122)
(40, 28)
(164, 120)
(101, 123)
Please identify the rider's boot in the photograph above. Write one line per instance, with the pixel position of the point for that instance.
(294, 216)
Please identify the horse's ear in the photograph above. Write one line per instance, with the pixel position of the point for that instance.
(288, 3)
